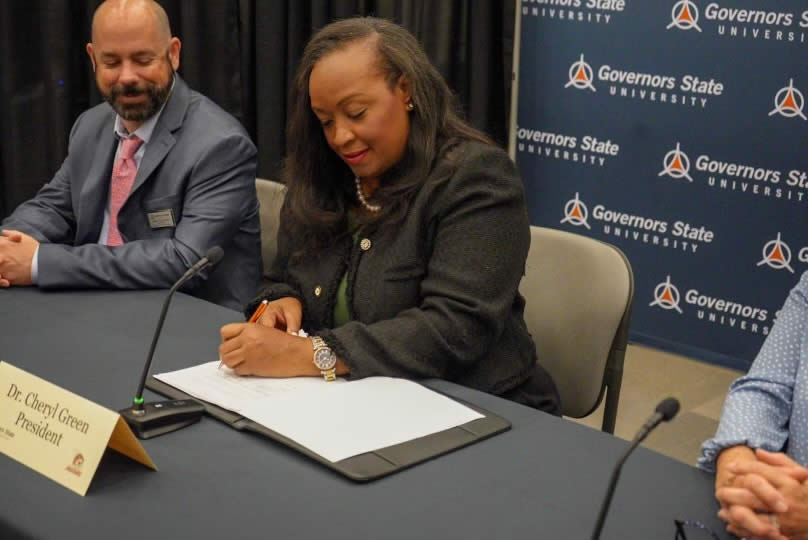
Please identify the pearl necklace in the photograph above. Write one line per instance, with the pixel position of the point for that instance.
(373, 208)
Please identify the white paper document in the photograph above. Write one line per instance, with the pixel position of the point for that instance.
(222, 387)
(335, 420)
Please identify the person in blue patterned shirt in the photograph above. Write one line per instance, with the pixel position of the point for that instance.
(760, 451)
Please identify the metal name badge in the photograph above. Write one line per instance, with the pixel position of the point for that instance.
(161, 219)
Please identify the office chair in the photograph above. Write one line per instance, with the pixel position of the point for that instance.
(579, 293)
(270, 196)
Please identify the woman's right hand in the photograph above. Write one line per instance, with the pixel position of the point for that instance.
(283, 314)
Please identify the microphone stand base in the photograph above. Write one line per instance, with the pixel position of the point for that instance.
(162, 417)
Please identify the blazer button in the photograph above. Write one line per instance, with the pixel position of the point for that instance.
(318, 290)
(365, 244)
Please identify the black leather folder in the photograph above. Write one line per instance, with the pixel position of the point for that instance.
(370, 465)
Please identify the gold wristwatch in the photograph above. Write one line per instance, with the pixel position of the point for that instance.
(324, 358)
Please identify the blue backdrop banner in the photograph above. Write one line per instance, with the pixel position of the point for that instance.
(672, 129)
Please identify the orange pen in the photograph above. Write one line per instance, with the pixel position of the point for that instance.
(259, 311)
(255, 316)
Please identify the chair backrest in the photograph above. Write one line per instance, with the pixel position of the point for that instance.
(270, 197)
(579, 293)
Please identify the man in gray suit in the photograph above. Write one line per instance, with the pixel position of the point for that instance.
(153, 178)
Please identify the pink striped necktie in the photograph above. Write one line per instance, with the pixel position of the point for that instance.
(123, 176)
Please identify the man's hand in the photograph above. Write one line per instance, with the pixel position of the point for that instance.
(16, 256)
(748, 507)
(744, 512)
(788, 465)
(724, 478)
(773, 485)
(791, 482)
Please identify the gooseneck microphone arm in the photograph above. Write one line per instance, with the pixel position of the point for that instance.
(212, 257)
(665, 411)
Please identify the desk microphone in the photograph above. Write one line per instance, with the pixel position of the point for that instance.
(153, 419)
(665, 411)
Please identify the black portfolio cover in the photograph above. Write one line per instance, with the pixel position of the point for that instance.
(370, 465)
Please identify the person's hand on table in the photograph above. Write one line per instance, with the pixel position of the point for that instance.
(723, 477)
(729, 498)
(283, 314)
(768, 499)
(255, 349)
(16, 256)
(786, 464)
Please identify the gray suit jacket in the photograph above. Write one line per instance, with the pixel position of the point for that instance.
(199, 163)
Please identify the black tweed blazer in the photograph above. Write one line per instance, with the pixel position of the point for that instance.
(436, 295)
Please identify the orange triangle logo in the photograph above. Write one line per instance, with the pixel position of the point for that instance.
(581, 74)
(667, 296)
(777, 254)
(576, 211)
(685, 15)
(790, 102)
(677, 164)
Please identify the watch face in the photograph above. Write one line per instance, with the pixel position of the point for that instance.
(324, 358)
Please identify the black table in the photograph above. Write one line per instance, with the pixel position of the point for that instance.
(545, 478)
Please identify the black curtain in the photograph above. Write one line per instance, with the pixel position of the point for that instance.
(240, 53)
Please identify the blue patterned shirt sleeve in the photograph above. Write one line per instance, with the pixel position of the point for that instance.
(759, 404)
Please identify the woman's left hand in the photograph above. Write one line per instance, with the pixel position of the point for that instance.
(254, 349)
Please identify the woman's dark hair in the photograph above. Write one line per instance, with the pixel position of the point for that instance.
(320, 185)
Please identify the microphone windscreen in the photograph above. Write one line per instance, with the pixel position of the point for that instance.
(214, 255)
(668, 408)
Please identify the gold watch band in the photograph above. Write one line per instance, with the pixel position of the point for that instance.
(329, 368)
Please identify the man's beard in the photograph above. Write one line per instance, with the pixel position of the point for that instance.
(139, 112)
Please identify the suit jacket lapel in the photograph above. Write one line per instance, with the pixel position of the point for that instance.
(159, 145)
(162, 139)
(95, 190)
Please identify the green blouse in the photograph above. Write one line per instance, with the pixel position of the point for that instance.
(342, 312)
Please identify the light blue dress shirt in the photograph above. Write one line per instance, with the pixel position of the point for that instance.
(768, 407)
(144, 133)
